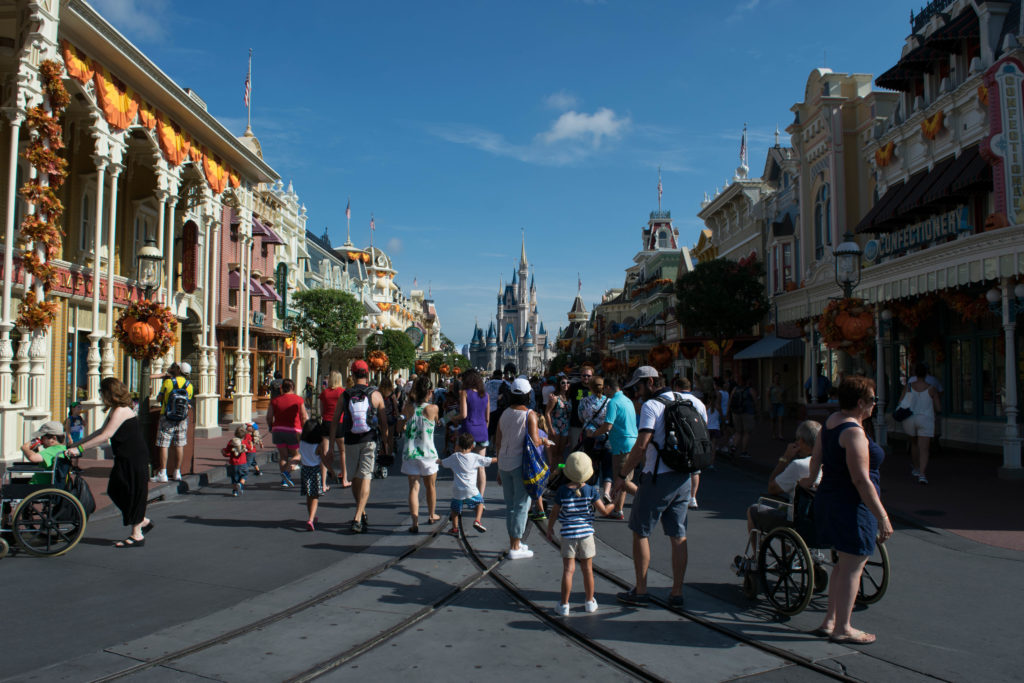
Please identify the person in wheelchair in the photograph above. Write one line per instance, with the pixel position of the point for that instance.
(46, 444)
(793, 466)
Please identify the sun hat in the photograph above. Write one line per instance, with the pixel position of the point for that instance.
(578, 467)
(521, 386)
(642, 372)
(51, 428)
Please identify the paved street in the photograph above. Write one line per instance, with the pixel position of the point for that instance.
(215, 564)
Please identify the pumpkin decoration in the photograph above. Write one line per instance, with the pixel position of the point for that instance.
(421, 367)
(856, 327)
(660, 356)
(456, 371)
(146, 329)
(141, 333)
(995, 221)
(377, 360)
(847, 324)
(445, 369)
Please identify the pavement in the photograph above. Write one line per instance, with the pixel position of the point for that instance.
(965, 498)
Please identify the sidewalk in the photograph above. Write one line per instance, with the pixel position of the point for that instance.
(965, 496)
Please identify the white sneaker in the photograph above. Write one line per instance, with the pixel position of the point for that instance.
(590, 606)
(914, 472)
(562, 611)
(523, 546)
(520, 553)
(177, 475)
(160, 478)
(692, 504)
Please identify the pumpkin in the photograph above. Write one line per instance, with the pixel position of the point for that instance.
(155, 322)
(127, 322)
(856, 328)
(841, 319)
(457, 371)
(141, 334)
(421, 367)
(444, 369)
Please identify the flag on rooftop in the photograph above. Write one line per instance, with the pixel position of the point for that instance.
(348, 209)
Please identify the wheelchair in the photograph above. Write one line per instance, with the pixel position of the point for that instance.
(38, 513)
(790, 565)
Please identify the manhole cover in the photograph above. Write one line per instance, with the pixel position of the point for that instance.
(931, 513)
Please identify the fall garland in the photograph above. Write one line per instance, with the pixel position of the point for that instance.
(847, 324)
(42, 226)
(146, 329)
(377, 360)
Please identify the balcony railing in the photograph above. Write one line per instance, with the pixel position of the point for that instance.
(927, 12)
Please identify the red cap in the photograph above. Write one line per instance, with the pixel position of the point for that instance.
(360, 365)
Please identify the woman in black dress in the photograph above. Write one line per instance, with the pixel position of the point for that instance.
(128, 487)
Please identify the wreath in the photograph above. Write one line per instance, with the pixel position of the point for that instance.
(377, 360)
(146, 329)
(847, 324)
(421, 367)
(41, 228)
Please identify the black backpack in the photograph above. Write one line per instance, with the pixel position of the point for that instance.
(687, 446)
(176, 407)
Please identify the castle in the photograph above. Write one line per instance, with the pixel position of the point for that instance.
(517, 334)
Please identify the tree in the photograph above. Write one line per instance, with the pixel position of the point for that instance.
(327, 320)
(447, 345)
(401, 352)
(721, 299)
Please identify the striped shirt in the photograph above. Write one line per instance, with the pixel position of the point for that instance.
(576, 513)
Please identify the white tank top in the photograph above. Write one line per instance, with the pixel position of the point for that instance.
(513, 434)
(920, 402)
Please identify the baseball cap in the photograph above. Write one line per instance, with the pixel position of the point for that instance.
(521, 386)
(185, 367)
(51, 428)
(360, 366)
(642, 372)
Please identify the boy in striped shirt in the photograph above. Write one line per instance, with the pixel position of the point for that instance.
(574, 508)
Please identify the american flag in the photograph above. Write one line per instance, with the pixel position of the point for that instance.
(743, 145)
(659, 186)
(579, 282)
(348, 209)
(248, 89)
(372, 226)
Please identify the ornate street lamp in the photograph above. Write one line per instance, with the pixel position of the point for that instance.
(149, 262)
(847, 257)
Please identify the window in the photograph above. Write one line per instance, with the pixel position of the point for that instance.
(234, 232)
(822, 222)
(87, 232)
(663, 239)
(787, 264)
(776, 280)
(993, 375)
(233, 298)
(961, 385)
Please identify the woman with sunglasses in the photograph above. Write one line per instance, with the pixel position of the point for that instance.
(557, 414)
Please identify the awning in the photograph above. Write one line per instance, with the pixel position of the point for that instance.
(270, 293)
(256, 289)
(772, 347)
(233, 279)
(784, 227)
(885, 219)
(910, 67)
(867, 223)
(951, 36)
(976, 174)
(272, 237)
(259, 227)
(370, 310)
(916, 198)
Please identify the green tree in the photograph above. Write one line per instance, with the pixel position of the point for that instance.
(721, 299)
(447, 345)
(327, 320)
(401, 352)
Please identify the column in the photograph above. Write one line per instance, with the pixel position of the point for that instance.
(8, 411)
(93, 404)
(107, 366)
(243, 388)
(880, 425)
(1011, 468)
(207, 424)
(156, 365)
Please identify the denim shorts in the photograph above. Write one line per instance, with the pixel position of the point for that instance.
(458, 503)
(236, 473)
(663, 499)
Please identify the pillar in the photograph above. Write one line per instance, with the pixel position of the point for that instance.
(8, 411)
(1011, 468)
(243, 383)
(107, 362)
(881, 436)
(93, 404)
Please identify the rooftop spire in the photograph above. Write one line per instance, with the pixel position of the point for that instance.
(522, 254)
(659, 188)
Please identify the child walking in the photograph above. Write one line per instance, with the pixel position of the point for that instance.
(573, 507)
(238, 461)
(253, 443)
(312, 483)
(464, 464)
(74, 426)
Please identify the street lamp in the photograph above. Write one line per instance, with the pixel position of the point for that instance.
(149, 261)
(847, 257)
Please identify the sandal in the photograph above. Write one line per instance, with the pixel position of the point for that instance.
(130, 543)
(149, 527)
(821, 632)
(435, 519)
(855, 638)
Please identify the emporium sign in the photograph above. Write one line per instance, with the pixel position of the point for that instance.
(932, 229)
(75, 283)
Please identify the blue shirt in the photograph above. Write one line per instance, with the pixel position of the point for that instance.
(621, 415)
(576, 512)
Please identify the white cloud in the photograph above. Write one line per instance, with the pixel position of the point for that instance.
(742, 8)
(573, 126)
(394, 246)
(561, 101)
(135, 18)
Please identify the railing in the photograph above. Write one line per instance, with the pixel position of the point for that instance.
(927, 12)
(665, 214)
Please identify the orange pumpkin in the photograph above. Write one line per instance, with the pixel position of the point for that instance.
(444, 369)
(856, 327)
(457, 371)
(126, 323)
(421, 367)
(141, 334)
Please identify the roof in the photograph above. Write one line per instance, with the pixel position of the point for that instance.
(577, 305)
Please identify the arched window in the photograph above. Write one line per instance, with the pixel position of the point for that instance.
(663, 239)
(822, 222)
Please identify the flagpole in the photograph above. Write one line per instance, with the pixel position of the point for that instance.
(348, 222)
(248, 107)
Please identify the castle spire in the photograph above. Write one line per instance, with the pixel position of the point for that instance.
(522, 254)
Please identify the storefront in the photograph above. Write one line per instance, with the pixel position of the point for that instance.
(269, 355)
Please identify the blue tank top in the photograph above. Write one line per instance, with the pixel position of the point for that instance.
(835, 476)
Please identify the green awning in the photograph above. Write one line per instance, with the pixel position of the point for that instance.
(772, 347)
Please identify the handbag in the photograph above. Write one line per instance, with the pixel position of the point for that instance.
(535, 468)
(902, 413)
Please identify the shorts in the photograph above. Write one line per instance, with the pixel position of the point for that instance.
(618, 460)
(365, 455)
(237, 473)
(745, 422)
(325, 430)
(457, 503)
(172, 433)
(285, 438)
(777, 410)
(579, 548)
(481, 444)
(919, 425)
(767, 518)
(419, 467)
(664, 499)
(312, 483)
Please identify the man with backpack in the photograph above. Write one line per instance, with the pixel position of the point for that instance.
(175, 398)
(364, 424)
(672, 442)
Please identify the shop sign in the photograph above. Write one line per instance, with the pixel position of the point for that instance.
(257, 318)
(79, 284)
(189, 256)
(932, 229)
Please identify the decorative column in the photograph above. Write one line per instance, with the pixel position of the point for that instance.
(243, 383)
(8, 412)
(207, 424)
(156, 365)
(107, 367)
(93, 403)
(1011, 468)
(881, 323)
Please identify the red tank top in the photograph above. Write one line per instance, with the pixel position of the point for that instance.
(286, 411)
(329, 398)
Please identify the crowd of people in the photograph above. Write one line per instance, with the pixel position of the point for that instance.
(601, 437)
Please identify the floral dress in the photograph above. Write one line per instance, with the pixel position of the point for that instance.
(592, 411)
(419, 453)
(560, 416)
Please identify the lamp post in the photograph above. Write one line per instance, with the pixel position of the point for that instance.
(149, 260)
(847, 259)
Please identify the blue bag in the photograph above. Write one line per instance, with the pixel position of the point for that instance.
(535, 468)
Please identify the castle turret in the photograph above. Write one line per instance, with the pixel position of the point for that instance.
(492, 349)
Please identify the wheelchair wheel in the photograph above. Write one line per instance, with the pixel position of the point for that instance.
(4, 548)
(874, 580)
(48, 522)
(787, 571)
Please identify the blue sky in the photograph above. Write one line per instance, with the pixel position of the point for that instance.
(459, 123)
